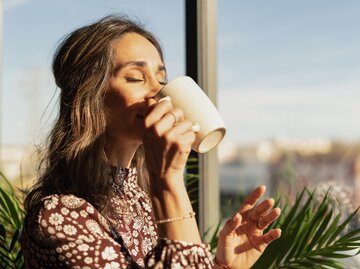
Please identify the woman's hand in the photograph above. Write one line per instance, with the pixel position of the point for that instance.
(241, 241)
(167, 141)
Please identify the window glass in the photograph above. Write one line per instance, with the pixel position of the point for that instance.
(31, 32)
(289, 80)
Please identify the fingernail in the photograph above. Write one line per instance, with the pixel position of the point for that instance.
(166, 98)
(196, 128)
(234, 217)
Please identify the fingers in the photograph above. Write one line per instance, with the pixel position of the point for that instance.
(266, 220)
(231, 225)
(261, 209)
(183, 127)
(168, 121)
(267, 238)
(185, 131)
(251, 200)
(162, 114)
(157, 111)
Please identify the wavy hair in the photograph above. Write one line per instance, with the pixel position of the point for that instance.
(74, 159)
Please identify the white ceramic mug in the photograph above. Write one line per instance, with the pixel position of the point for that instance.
(197, 107)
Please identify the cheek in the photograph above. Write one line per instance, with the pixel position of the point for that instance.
(123, 114)
(116, 106)
(113, 99)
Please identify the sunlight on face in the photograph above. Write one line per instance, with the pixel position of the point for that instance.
(138, 74)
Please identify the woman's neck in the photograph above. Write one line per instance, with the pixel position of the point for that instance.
(120, 153)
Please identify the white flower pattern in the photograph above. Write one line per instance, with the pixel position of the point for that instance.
(71, 201)
(56, 219)
(74, 214)
(79, 236)
(51, 203)
(112, 265)
(83, 247)
(69, 230)
(109, 254)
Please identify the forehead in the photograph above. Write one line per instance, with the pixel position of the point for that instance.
(134, 47)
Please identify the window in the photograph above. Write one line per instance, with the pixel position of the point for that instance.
(288, 90)
(32, 30)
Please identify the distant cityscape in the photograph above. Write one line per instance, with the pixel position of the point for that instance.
(284, 165)
(288, 165)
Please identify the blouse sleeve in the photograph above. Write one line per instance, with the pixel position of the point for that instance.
(79, 234)
(81, 238)
(179, 254)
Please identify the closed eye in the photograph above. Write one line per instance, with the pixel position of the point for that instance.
(129, 79)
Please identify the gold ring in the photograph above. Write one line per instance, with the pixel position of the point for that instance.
(175, 118)
(260, 226)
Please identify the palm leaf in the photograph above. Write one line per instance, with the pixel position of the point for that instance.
(11, 221)
(311, 236)
(192, 182)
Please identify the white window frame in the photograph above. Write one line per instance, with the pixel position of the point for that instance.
(207, 78)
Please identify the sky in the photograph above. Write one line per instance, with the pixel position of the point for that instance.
(285, 68)
(290, 69)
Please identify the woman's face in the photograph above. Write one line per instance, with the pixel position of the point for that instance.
(138, 74)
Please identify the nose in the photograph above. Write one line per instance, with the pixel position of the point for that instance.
(155, 88)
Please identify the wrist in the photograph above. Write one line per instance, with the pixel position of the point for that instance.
(170, 202)
(169, 183)
(172, 195)
(174, 214)
(219, 264)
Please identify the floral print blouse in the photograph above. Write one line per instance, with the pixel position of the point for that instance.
(65, 231)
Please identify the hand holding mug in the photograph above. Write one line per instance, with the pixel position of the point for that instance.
(167, 142)
(198, 108)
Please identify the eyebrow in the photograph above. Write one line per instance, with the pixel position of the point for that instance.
(135, 63)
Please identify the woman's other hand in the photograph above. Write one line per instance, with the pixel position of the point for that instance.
(242, 240)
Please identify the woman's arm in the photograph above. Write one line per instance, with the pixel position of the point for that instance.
(167, 142)
(69, 231)
(173, 210)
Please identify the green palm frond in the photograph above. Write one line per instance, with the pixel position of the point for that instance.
(312, 236)
(11, 221)
(192, 182)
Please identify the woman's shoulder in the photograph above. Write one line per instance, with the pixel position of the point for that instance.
(59, 201)
(62, 204)
(61, 222)
(57, 209)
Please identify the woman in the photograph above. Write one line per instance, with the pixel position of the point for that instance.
(111, 192)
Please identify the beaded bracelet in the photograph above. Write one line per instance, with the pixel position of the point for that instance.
(220, 264)
(190, 215)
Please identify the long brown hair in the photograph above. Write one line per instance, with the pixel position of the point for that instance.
(74, 160)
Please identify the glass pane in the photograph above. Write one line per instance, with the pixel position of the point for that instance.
(32, 29)
(289, 92)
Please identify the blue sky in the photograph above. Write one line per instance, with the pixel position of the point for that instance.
(285, 68)
(290, 68)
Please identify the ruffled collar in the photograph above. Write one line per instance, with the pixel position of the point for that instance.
(123, 178)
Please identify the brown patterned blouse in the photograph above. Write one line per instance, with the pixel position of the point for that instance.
(65, 231)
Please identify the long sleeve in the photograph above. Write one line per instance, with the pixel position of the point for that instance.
(179, 254)
(75, 235)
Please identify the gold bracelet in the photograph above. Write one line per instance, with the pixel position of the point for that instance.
(220, 264)
(190, 215)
